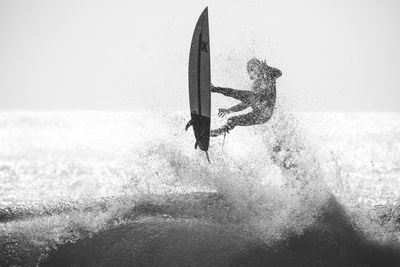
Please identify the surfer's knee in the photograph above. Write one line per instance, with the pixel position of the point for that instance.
(266, 116)
(266, 119)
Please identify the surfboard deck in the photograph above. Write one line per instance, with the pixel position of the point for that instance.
(199, 82)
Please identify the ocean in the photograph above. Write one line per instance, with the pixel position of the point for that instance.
(104, 188)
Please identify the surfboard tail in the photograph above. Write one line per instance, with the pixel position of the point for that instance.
(201, 128)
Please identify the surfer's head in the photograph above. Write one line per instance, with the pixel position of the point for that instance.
(258, 69)
(254, 68)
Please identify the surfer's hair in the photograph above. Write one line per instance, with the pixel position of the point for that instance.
(254, 62)
(264, 71)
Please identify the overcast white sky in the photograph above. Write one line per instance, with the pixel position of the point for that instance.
(334, 55)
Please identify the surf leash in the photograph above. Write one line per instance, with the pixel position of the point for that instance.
(229, 157)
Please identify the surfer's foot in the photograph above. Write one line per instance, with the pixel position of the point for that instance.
(217, 132)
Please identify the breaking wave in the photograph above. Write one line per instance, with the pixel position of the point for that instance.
(263, 201)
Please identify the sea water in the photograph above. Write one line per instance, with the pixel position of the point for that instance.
(67, 176)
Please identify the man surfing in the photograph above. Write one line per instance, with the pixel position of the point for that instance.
(261, 98)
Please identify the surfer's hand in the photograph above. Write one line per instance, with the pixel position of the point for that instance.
(222, 112)
(213, 88)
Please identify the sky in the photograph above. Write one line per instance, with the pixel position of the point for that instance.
(338, 55)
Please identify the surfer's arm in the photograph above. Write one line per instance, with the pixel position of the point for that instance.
(242, 95)
(220, 90)
(239, 107)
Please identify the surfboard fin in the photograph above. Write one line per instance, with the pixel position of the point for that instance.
(208, 158)
(188, 125)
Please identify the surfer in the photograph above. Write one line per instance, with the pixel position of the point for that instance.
(261, 98)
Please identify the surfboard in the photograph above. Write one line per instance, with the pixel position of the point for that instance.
(199, 83)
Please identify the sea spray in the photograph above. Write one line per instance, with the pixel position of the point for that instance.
(242, 179)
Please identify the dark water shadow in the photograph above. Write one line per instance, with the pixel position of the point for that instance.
(160, 240)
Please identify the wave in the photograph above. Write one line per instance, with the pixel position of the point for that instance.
(262, 202)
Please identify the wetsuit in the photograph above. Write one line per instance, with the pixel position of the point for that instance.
(261, 99)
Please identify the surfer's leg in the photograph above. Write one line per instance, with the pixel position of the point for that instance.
(241, 95)
(243, 120)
